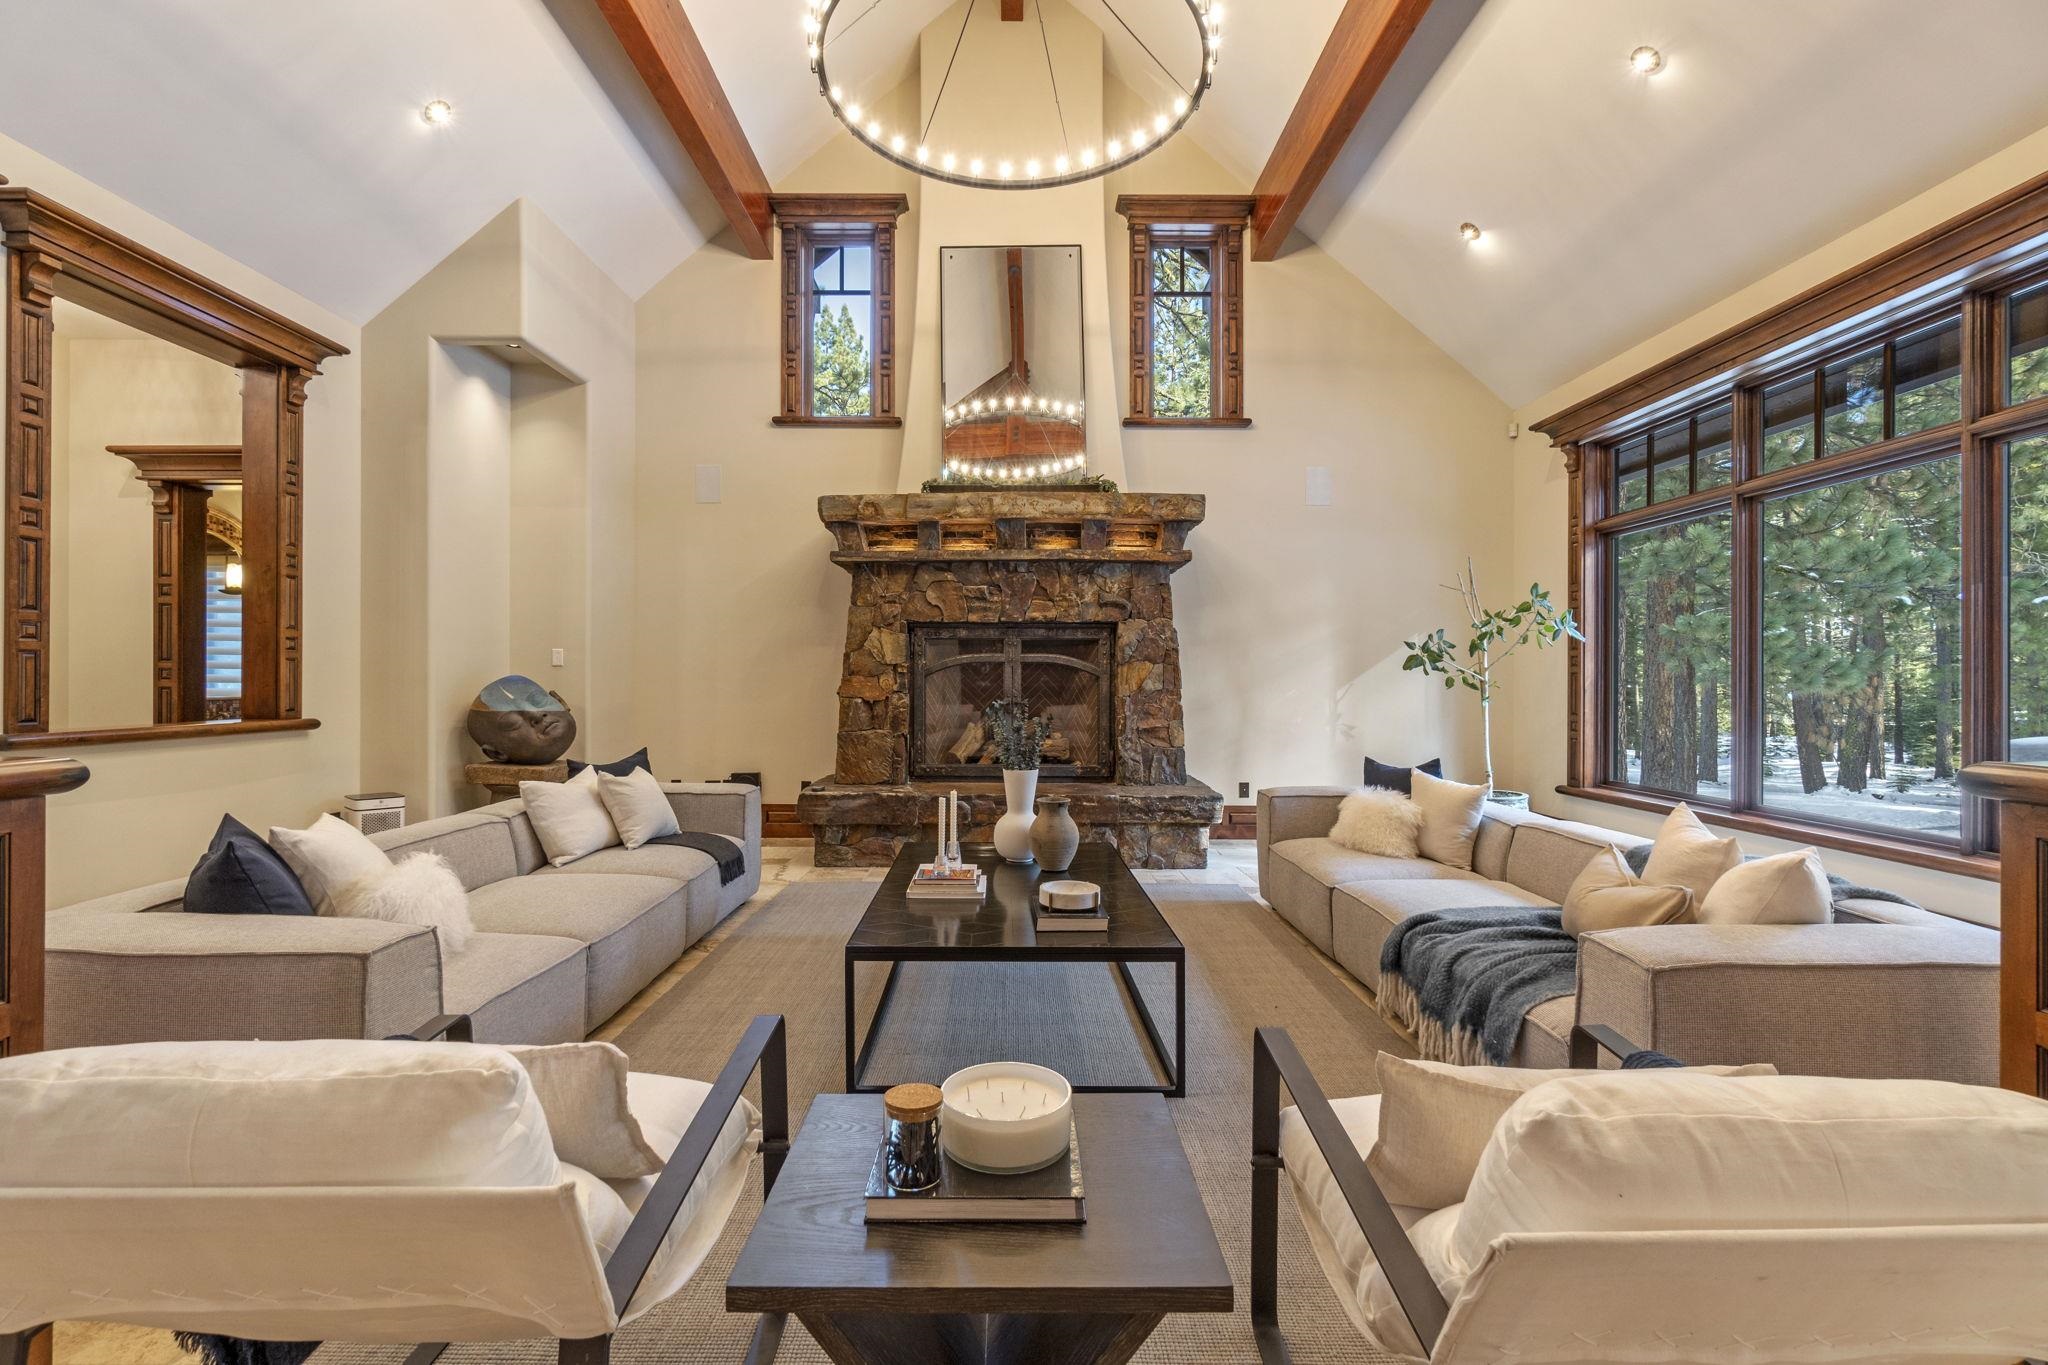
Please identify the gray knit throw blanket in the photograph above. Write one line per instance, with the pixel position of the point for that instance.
(1463, 980)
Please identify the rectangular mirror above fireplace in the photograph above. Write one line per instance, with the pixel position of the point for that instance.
(1010, 342)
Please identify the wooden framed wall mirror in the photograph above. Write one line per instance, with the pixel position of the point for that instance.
(153, 501)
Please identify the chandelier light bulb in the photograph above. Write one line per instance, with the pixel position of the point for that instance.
(1180, 105)
(837, 94)
(1087, 156)
(1646, 61)
(1137, 137)
(812, 51)
(1005, 169)
(875, 129)
(1031, 169)
(949, 161)
(1060, 164)
(437, 112)
(1010, 402)
(811, 23)
(1470, 231)
(1116, 149)
(853, 112)
(897, 144)
(974, 166)
(1160, 123)
(924, 154)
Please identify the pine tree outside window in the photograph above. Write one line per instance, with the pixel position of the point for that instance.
(838, 308)
(1187, 309)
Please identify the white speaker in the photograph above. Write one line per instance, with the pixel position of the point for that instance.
(374, 812)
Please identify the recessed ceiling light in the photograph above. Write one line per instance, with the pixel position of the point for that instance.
(437, 112)
(1470, 231)
(1646, 61)
(512, 345)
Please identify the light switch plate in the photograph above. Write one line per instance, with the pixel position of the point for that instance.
(1320, 491)
(707, 483)
(558, 657)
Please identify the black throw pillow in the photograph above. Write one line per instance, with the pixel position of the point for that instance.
(1402, 780)
(617, 767)
(242, 875)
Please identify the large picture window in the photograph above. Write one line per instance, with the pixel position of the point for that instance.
(1814, 577)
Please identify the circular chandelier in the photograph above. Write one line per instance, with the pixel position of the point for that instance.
(1015, 169)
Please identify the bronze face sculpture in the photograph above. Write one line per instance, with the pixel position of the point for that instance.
(516, 720)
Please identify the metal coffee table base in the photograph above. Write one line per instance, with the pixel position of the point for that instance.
(859, 1050)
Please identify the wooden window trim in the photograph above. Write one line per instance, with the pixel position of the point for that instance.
(804, 219)
(54, 253)
(1970, 265)
(1221, 221)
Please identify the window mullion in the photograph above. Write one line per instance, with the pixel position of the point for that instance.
(1745, 757)
(1983, 645)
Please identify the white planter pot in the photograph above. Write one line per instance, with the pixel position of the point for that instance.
(1013, 831)
(1511, 799)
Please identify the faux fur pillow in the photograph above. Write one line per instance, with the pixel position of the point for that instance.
(421, 889)
(1378, 820)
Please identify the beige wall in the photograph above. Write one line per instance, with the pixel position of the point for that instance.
(502, 479)
(1291, 617)
(1537, 701)
(149, 808)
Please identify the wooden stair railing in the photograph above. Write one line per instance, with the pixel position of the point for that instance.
(2022, 793)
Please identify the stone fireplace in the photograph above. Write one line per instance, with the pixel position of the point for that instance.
(960, 599)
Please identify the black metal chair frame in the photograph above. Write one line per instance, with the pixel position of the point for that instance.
(764, 1046)
(1276, 1063)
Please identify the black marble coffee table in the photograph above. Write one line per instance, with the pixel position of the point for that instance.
(1002, 928)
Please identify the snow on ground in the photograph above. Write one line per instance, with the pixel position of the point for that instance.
(1926, 805)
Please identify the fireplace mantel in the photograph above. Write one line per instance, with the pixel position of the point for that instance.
(1022, 526)
(1011, 562)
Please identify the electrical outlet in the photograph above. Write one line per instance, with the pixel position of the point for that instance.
(558, 657)
(1244, 789)
(1321, 489)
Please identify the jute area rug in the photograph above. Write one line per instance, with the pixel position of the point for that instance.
(1245, 969)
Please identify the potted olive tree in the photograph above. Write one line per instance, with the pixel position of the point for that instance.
(1495, 635)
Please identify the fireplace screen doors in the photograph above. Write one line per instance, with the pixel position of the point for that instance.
(1063, 672)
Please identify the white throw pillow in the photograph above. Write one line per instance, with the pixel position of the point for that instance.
(1377, 820)
(421, 889)
(639, 808)
(1690, 855)
(582, 1086)
(569, 818)
(327, 856)
(1608, 896)
(1451, 812)
(1785, 888)
(1436, 1119)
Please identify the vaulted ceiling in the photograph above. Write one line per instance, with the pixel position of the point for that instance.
(1613, 204)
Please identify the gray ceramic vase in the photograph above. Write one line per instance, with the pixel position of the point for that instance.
(1055, 838)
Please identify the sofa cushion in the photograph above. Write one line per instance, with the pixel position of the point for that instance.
(1362, 914)
(1341, 1249)
(703, 896)
(1686, 853)
(239, 874)
(519, 988)
(1301, 873)
(329, 1112)
(582, 1089)
(635, 927)
(1546, 1037)
(1394, 777)
(475, 844)
(1667, 1151)
(1548, 856)
(527, 855)
(1490, 845)
(664, 1107)
(1451, 812)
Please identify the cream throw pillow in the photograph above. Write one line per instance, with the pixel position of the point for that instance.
(1607, 896)
(1785, 888)
(569, 818)
(1436, 1119)
(327, 856)
(1688, 854)
(638, 807)
(1375, 820)
(1451, 812)
(582, 1089)
(421, 889)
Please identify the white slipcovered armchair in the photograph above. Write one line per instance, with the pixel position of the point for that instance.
(1670, 1216)
(390, 1192)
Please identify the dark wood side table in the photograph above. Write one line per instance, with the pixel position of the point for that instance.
(978, 1293)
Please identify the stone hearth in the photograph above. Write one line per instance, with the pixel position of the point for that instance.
(995, 558)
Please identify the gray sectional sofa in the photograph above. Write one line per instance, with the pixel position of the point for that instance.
(557, 952)
(1884, 991)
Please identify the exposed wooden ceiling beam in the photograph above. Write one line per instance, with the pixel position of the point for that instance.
(1363, 47)
(663, 48)
(1013, 11)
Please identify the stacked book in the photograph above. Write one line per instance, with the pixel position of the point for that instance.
(961, 882)
(1052, 1194)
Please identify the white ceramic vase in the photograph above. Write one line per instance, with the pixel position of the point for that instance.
(1013, 830)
